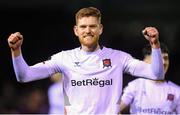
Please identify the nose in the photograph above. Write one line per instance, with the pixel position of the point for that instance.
(87, 30)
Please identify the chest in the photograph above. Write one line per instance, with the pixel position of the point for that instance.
(92, 65)
(155, 96)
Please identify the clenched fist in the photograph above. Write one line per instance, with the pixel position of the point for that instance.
(152, 35)
(15, 41)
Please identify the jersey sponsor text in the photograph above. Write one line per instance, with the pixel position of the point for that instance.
(92, 82)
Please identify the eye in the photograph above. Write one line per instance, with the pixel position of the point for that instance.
(93, 26)
(82, 26)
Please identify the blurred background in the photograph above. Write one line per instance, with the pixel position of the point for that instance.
(47, 27)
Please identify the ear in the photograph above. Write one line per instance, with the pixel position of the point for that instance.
(101, 29)
(75, 30)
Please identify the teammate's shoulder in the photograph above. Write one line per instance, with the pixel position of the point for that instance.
(174, 85)
(137, 81)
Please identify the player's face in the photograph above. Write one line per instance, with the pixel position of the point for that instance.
(88, 30)
(165, 61)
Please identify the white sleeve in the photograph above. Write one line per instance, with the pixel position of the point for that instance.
(128, 93)
(154, 70)
(157, 63)
(26, 73)
(178, 106)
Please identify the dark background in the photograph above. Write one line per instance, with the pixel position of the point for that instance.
(47, 27)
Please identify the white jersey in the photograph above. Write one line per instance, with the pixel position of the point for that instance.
(92, 80)
(148, 97)
(56, 98)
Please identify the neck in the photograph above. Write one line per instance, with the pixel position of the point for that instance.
(90, 49)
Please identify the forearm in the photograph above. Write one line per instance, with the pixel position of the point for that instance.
(25, 73)
(157, 63)
(155, 45)
(16, 53)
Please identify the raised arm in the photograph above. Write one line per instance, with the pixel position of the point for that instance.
(139, 68)
(152, 35)
(24, 72)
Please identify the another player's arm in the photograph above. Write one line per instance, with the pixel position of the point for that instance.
(122, 106)
(178, 106)
(127, 97)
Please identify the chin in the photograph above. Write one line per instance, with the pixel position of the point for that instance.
(89, 43)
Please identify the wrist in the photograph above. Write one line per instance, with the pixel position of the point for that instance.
(16, 52)
(155, 45)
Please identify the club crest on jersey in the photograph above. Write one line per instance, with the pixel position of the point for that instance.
(107, 63)
(170, 97)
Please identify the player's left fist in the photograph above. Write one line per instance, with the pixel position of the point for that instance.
(152, 35)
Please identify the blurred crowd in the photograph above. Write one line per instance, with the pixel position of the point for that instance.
(17, 98)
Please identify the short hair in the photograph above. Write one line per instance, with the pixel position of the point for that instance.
(89, 11)
(147, 49)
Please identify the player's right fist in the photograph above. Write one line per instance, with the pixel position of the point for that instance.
(15, 40)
